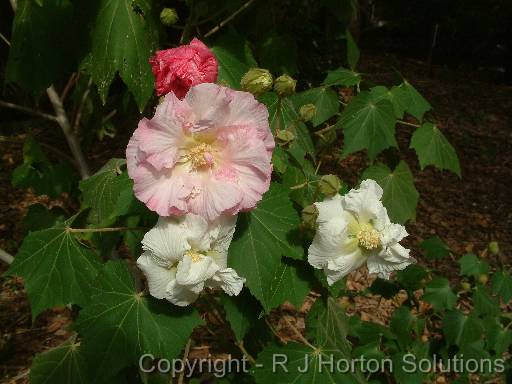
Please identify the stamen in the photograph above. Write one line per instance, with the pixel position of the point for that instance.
(194, 255)
(200, 156)
(368, 239)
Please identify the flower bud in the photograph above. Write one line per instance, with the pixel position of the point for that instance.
(329, 185)
(494, 248)
(309, 216)
(285, 85)
(169, 16)
(307, 112)
(483, 278)
(284, 137)
(465, 286)
(257, 81)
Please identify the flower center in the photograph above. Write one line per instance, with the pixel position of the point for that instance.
(200, 156)
(194, 255)
(368, 239)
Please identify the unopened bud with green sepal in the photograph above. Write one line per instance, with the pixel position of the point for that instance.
(329, 185)
(284, 137)
(309, 216)
(307, 112)
(494, 248)
(257, 81)
(285, 85)
(169, 16)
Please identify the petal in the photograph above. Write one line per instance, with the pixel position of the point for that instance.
(329, 209)
(392, 234)
(228, 280)
(167, 240)
(158, 278)
(221, 233)
(210, 105)
(196, 229)
(365, 203)
(343, 265)
(397, 258)
(180, 295)
(192, 272)
(214, 198)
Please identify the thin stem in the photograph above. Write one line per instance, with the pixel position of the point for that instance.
(271, 327)
(63, 121)
(228, 19)
(299, 335)
(326, 129)
(407, 123)
(251, 359)
(72, 80)
(30, 111)
(5, 39)
(185, 357)
(113, 229)
(6, 257)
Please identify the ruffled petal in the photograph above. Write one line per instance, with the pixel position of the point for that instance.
(228, 280)
(167, 240)
(392, 234)
(343, 265)
(193, 272)
(196, 232)
(158, 277)
(395, 258)
(180, 295)
(330, 240)
(329, 209)
(365, 203)
(210, 105)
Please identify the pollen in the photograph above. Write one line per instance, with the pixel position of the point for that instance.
(194, 255)
(200, 156)
(368, 239)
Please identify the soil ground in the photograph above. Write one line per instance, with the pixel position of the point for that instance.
(465, 212)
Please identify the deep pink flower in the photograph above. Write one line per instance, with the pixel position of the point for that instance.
(177, 69)
(208, 154)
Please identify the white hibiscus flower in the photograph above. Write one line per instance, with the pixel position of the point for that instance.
(355, 229)
(186, 254)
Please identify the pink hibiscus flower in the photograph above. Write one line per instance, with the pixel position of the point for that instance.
(177, 69)
(208, 154)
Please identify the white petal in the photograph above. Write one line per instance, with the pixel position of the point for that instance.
(191, 272)
(158, 277)
(384, 266)
(228, 280)
(330, 240)
(166, 240)
(329, 209)
(196, 229)
(343, 265)
(180, 295)
(392, 234)
(221, 234)
(365, 204)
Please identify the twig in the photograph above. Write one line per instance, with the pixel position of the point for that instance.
(63, 121)
(30, 111)
(228, 19)
(251, 359)
(6, 257)
(113, 229)
(326, 129)
(110, 115)
(185, 357)
(299, 335)
(81, 106)
(72, 80)
(5, 39)
(407, 123)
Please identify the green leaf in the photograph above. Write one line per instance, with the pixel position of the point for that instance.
(234, 58)
(283, 115)
(324, 99)
(401, 325)
(461, 330)
(62, 364)
(471, 265)
(102, 190)
(57, 269)
(395, 95)
(416, 105)
(484, 303)
(262, 237)
(411, 277)
(342, 76)
(279, 54)
(120, 324)
(353, 53)
(330, 344)
(400, 195)
(242, 311)
(39, 217)
(385, 288)
(439, 294)
(502, 285)
(432, 148)
(435, 248)
(122, 41)
(302, 182)
(291, 283)
(42, 44)
(368, 124)
(498, 339)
